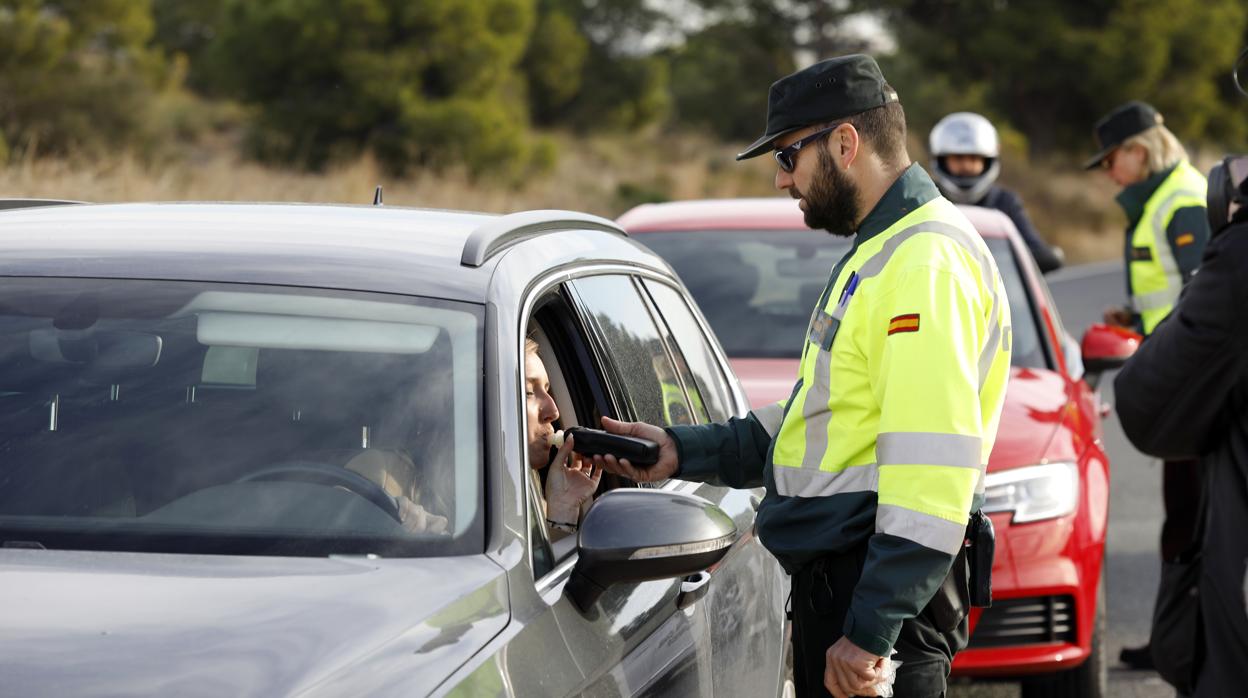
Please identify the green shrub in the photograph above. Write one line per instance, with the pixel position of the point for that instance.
(77, 76)
(432, 82)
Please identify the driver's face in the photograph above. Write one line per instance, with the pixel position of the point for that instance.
(540, 410)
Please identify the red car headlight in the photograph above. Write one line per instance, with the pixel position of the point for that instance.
(1034, 492)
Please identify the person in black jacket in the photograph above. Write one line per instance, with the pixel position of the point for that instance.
(1184, 395)
(965, 166)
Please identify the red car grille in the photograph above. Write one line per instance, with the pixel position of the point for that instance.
(1026, 621)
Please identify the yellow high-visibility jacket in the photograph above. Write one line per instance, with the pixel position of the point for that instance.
(885, 438)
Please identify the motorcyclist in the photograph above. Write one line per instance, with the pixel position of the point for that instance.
(965, 165)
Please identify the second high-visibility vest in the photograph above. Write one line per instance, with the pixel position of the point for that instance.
(1155, 278)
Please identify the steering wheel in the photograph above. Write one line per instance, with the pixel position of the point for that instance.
(317, 473)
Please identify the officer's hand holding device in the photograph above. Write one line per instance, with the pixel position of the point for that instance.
(664, 465)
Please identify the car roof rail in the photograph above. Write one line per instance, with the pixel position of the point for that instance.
(11, 204)
(502, 232)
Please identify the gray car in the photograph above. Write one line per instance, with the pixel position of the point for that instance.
(213, 415)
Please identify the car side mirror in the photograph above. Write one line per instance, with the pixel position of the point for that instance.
(1105, 348)
(634, 535)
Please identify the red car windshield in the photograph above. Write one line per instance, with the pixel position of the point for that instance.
(757, 288)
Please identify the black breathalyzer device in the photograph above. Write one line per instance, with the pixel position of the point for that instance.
(595, 442)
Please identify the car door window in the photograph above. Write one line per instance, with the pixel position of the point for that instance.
(578, 387)
(708, 384)
(632, 342)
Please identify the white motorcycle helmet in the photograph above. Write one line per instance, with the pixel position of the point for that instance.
(965, 133)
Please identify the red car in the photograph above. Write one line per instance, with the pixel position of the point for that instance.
(757, 272)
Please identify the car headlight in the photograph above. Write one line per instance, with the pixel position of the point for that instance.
(1033, 493)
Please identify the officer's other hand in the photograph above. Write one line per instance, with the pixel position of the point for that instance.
(1118, 317)
(662, 469)
(850, 670)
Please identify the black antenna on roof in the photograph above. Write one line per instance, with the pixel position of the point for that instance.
(377, 196)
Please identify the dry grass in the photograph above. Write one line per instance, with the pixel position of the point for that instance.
(1071, 208)
(604, 175)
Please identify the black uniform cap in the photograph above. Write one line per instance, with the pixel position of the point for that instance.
(826, 91)
(1117, 126)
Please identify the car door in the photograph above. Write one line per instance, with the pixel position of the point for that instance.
(746, 595)
(635, 641)
(631, 641)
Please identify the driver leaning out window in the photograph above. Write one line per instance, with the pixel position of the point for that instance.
(568, 483)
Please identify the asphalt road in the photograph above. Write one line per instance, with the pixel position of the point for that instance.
(1132, 562)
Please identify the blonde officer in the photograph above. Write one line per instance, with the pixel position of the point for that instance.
(1164, 199)
(1167, 228)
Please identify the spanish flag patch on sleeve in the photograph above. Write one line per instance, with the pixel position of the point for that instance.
(904, 323)
(1185, 239)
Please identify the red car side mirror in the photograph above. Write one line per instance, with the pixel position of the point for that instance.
(1105, 347)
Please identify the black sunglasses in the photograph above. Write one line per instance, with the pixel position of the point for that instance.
(786, 157)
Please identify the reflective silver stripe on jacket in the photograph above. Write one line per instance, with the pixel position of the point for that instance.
(1165, 256)
(892, 448)
(799, 482)
(929, 531)
(1164, 298)
(928, 448)
(770, 417)
(815, 412)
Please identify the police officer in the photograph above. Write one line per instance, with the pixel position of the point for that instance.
(874, 463)
(1164, 199)
(965, 165)
(1167, 228)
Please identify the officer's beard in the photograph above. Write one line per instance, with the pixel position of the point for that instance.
(832, 200)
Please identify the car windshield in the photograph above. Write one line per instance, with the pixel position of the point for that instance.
(200, 418)
(758, 288)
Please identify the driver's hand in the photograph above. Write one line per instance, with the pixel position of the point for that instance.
(570, 483)
(417, 519)
(664, 468)
(1118, 317)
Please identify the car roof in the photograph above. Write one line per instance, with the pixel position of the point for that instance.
(725, 214)
(990, 222)
(763, 214)
(371, 248)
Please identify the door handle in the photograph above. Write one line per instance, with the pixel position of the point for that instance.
(693, 588)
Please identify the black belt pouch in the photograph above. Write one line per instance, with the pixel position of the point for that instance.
(982, 543)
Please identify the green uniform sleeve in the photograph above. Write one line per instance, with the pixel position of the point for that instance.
(1187, 234)
(731, 454)
(882, 600)
(928, 337)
